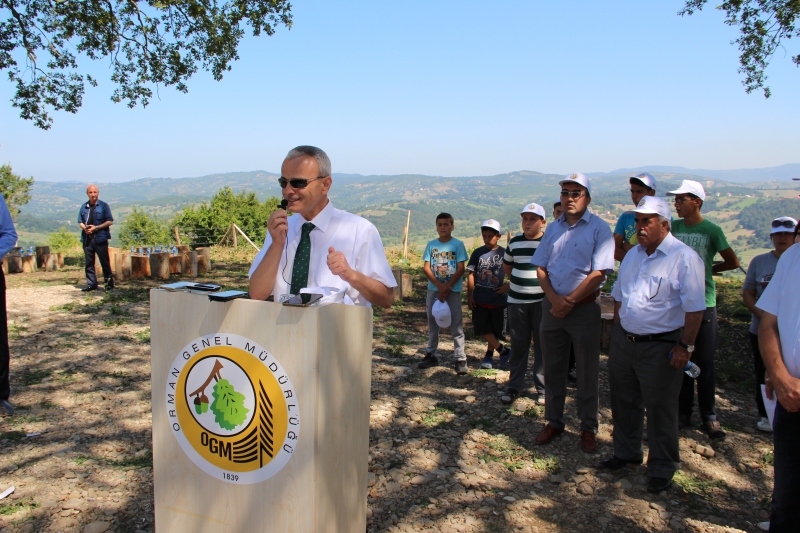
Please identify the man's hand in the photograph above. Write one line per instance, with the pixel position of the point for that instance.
(470, 301)
(503, 289)
(338, 264)
(768, 388)
(444, 292)
(562, 305)
(278, 225)
(680, 357)
(89, 229)
(788, 391)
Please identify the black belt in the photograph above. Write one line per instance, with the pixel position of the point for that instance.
(654, 337)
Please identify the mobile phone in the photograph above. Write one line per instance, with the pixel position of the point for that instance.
(226, 296)
(303, 300)
(208, 287)
(177, 286)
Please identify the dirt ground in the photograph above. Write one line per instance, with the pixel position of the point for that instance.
(445, 454)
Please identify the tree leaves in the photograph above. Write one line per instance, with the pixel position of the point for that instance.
(15, 189)
(228, 405)
(147, 42)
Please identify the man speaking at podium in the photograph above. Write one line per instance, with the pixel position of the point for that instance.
(322, 247)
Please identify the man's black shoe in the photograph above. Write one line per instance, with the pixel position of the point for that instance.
(109, 285)
(90, 288)
(659, 484)
(429, 361)
(615, 463)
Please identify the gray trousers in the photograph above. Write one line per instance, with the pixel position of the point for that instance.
(640, 378)
(581, 328)
(523, 321)
(456, 324)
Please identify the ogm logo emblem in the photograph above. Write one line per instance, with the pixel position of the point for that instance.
(232, 408)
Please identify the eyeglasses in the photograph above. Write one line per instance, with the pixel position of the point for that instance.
(784, 223)
(680, 200)
(572, 194)
(297, 183)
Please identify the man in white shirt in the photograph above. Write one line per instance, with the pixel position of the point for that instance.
(321, 247)
(659, 300)
(779, 340)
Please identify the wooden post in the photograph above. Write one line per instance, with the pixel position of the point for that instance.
(508, 238)
(60, 256)
(184, 249)
(175, 264)
(233, 235)
(41, 251)
(14, 263)
(29, 263)
(140, 266)
(177, 236)
(406, 287)
(246, 238)
(203, 259)
(189, 264)
(50, 262)
(405, 235)
(159, 265)
(398, 290)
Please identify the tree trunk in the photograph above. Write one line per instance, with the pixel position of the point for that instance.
(140, 266)
(41, 251)
(175, 264)
(189, 264)
(203, 260)
(159, 265)
(14, 263)
(50, 262)
(29, 263)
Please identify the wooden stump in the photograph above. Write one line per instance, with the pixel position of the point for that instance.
(50, 262)
(140, 266)
(159, 265)
(203, 260)
(398, 290)
(175, 264)
(184, 248)
(189, 264)
(41, 251)
(406, 286)
(29, 263)
(14, 263)
(123, 272)
(60, 256)
(113, 252)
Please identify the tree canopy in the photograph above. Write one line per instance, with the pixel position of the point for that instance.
(147, 43)
(763, 24)
(16, 189)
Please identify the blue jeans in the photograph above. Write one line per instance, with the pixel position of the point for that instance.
(786, 492)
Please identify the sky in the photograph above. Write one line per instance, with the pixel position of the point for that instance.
(449, 88)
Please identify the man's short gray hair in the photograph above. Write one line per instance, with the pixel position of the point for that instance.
(323, 161)
(665, 219)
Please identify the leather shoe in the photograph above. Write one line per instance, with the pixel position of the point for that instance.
(615, 463)
(89, 288)
(588, 442)
(548, 434)
(659, 484)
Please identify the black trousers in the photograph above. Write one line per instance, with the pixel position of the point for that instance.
(760, 372)
(703, 356)
(785, 516)
(5, 388)
(90, 248)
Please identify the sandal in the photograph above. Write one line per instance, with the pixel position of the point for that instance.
(510, 396)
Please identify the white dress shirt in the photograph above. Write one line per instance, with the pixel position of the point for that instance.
(782, 299)
(356, 237)
(571, 253)
(657, 290)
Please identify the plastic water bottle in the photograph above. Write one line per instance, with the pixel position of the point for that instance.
(133, 250)
(691, 369)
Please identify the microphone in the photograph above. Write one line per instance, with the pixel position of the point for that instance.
(284, 204)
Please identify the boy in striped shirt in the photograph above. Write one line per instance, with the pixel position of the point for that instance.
(525, 304)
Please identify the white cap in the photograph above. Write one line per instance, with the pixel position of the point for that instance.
(534, 208)
(652, 205)
(578, 178)
(689, 187)
(782, 228)
(647, 179)
(491, 223)
(441, 312)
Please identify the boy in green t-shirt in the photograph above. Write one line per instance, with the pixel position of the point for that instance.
(708, 240)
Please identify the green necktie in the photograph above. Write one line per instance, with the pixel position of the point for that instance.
(302, 257)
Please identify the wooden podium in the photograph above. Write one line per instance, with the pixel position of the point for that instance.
(325, 352)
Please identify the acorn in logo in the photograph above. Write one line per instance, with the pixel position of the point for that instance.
(228, 406)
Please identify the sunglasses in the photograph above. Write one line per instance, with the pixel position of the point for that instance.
(784, 223)
(572, 194)
(296, 183)
(678, 200)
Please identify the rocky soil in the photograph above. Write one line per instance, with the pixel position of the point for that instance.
(445, 454)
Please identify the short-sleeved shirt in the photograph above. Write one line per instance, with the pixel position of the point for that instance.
(444, 258)
(780, 299)
(657, 290)
(759, 274)
(524, 283)
(707, 239)
(350, 234)
(571, 253)
(487, 266)
(626, 226)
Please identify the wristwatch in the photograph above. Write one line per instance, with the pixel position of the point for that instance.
(689, 347)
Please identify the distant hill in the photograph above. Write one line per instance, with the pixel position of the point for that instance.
(742, 175)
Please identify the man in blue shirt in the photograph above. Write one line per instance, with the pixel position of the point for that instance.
(8, 238)
(94, 219)
(573, 259)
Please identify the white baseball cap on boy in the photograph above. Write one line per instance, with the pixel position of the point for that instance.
(646, 179)
(653, 205)
(578, 178)
(779, 225)
(441, 313)
(534, 208)
(491, 224)
(689, 187)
